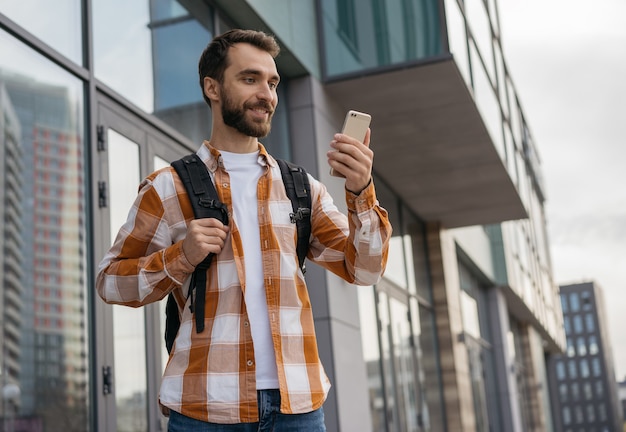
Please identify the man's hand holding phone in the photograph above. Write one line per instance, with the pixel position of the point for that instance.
(350, 155)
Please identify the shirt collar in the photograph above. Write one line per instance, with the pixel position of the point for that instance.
(213, 159)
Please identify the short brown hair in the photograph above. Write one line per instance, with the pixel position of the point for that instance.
(214, 58)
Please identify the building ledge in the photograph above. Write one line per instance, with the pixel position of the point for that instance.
(431, 145)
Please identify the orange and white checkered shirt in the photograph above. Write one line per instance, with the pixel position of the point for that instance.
(210, 376)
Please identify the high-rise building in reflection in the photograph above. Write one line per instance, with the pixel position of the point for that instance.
(11, 271)
(52, 353)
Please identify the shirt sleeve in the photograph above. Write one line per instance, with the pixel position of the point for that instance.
(144, 263)
(354, 247)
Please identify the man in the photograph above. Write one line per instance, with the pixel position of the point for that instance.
(255, 366)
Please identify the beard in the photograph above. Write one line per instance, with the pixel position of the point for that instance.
(235, 117)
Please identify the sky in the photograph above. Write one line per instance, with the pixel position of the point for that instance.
(567, 59)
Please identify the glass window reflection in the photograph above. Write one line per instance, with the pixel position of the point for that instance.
(151, 58)
(123, 53)
(167, 9)
(43, 302)
(399, 31)
(371, 355)
(414, 234)
(58, 23)
(430, 368)
(406, 385)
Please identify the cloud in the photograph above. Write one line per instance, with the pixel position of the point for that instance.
(565, 58)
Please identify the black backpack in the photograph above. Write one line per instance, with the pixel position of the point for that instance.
(206, 204)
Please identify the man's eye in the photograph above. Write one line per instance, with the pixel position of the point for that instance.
(249, 80)
(273, 85)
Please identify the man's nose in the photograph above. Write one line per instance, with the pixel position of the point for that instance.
(265, 92)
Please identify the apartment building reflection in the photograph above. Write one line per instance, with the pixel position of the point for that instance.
(43, 335)
(10, 251)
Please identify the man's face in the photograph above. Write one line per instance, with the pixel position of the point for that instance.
(248, 91)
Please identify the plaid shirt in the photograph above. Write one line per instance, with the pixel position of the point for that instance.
(211, 376)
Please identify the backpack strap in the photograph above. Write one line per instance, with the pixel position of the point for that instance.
(206, 204)
(298, 190)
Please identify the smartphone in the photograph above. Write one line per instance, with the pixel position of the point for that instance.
(355, 125)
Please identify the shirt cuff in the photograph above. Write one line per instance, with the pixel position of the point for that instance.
(176, 264)
(364, 201)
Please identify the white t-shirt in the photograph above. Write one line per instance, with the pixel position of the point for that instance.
(244, 171)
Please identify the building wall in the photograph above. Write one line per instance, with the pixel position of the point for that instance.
(453, 353)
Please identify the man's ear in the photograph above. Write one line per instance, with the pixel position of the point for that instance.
(211, 89)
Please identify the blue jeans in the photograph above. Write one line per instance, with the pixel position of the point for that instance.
(270, 419)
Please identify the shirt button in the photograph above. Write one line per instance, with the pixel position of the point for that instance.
(225, 185)
(246, 324)
(250, 363)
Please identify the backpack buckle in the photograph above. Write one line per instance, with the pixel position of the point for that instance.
(299, 214)
(209, 203)
(215, 205)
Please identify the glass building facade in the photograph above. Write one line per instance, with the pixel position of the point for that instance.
(96, 94)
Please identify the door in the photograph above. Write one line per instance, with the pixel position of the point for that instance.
(129, 349)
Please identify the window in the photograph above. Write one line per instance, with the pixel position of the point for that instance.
(571, 366)
(595, 366)
(567, 325)
(564, 303)
(64, 35)
(567, 416)
(578, 324)
(398, 31)
(571, 350)
(560, 370)
(584, 368)
(347, 26)
(574, 301)
(575, 391)
(591, 414)
(582, 346)
(40, 103)
(578, 411)
(599, 389)
(586, 300)
(593, 345)
(590, 323)
(563, 392)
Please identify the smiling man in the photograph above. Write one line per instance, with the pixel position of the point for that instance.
(254, 366)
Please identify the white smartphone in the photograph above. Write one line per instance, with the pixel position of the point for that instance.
(355, 125)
